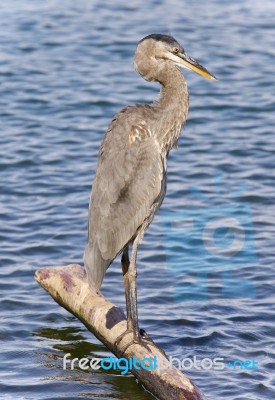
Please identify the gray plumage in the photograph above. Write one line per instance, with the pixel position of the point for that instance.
(130, 181)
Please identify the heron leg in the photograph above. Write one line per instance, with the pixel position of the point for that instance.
(130, 275)
(132, 272)
(125, 262)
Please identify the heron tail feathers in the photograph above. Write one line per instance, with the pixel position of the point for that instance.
(95, 267)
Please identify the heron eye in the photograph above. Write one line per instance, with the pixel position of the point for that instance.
(175, 50)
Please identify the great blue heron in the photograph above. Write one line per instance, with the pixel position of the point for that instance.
(130, 180)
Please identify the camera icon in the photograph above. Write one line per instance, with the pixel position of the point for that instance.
(215, 239)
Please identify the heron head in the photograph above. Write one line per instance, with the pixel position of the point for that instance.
(165, 47)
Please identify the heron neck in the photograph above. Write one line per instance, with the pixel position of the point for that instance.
(172, 107)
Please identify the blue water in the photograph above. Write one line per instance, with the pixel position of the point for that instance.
(206, 265)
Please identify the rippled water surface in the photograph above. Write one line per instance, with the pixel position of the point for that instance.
(206, 265)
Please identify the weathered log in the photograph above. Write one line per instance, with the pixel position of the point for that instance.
(69, 287)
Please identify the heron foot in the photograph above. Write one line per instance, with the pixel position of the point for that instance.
(140, 338)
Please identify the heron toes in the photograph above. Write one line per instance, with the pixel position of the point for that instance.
(140, 338)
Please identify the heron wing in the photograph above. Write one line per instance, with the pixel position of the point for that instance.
(129, 185)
